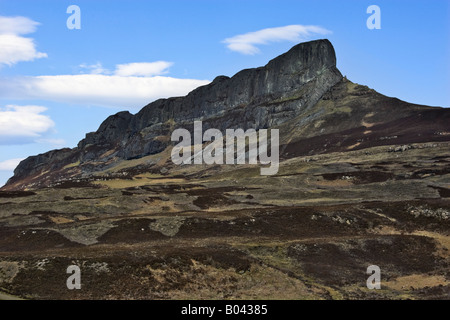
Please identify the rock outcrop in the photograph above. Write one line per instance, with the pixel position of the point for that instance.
(300, 91)
(253, 98)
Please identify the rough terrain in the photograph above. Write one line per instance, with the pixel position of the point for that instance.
(309, 232)
(364, 180)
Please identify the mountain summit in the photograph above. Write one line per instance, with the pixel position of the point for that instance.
(300, 92)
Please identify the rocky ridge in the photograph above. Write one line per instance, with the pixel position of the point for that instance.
(301, 92)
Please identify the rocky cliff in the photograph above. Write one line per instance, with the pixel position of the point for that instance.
(301, 92)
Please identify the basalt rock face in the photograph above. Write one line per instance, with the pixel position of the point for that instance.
(301, 92)
(253, 98)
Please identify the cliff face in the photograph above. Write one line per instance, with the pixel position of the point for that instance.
(253, 98)
(301, 92)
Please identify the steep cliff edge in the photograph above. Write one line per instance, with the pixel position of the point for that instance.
(301, 92)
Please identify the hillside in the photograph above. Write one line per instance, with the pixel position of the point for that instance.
(363, 180)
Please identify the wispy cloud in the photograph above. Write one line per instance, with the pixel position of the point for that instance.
(97, 89)
(130, 85)
(134, 69)
(23, 124)
(9, 165)
(147, 69)
(96, 68)
(248, 43)
(15, 47)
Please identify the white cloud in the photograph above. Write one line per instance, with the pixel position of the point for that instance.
(147, 69)
(134, 69)
(95, 68)
(14, 47)
(247, 43)
(17, 25)
(97, 89)
(9, 165)
(21, 124)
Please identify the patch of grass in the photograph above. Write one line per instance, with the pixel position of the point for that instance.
(417, 281)
(127, 183)
(72, 165)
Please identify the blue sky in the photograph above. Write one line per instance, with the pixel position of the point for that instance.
(57, 84)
